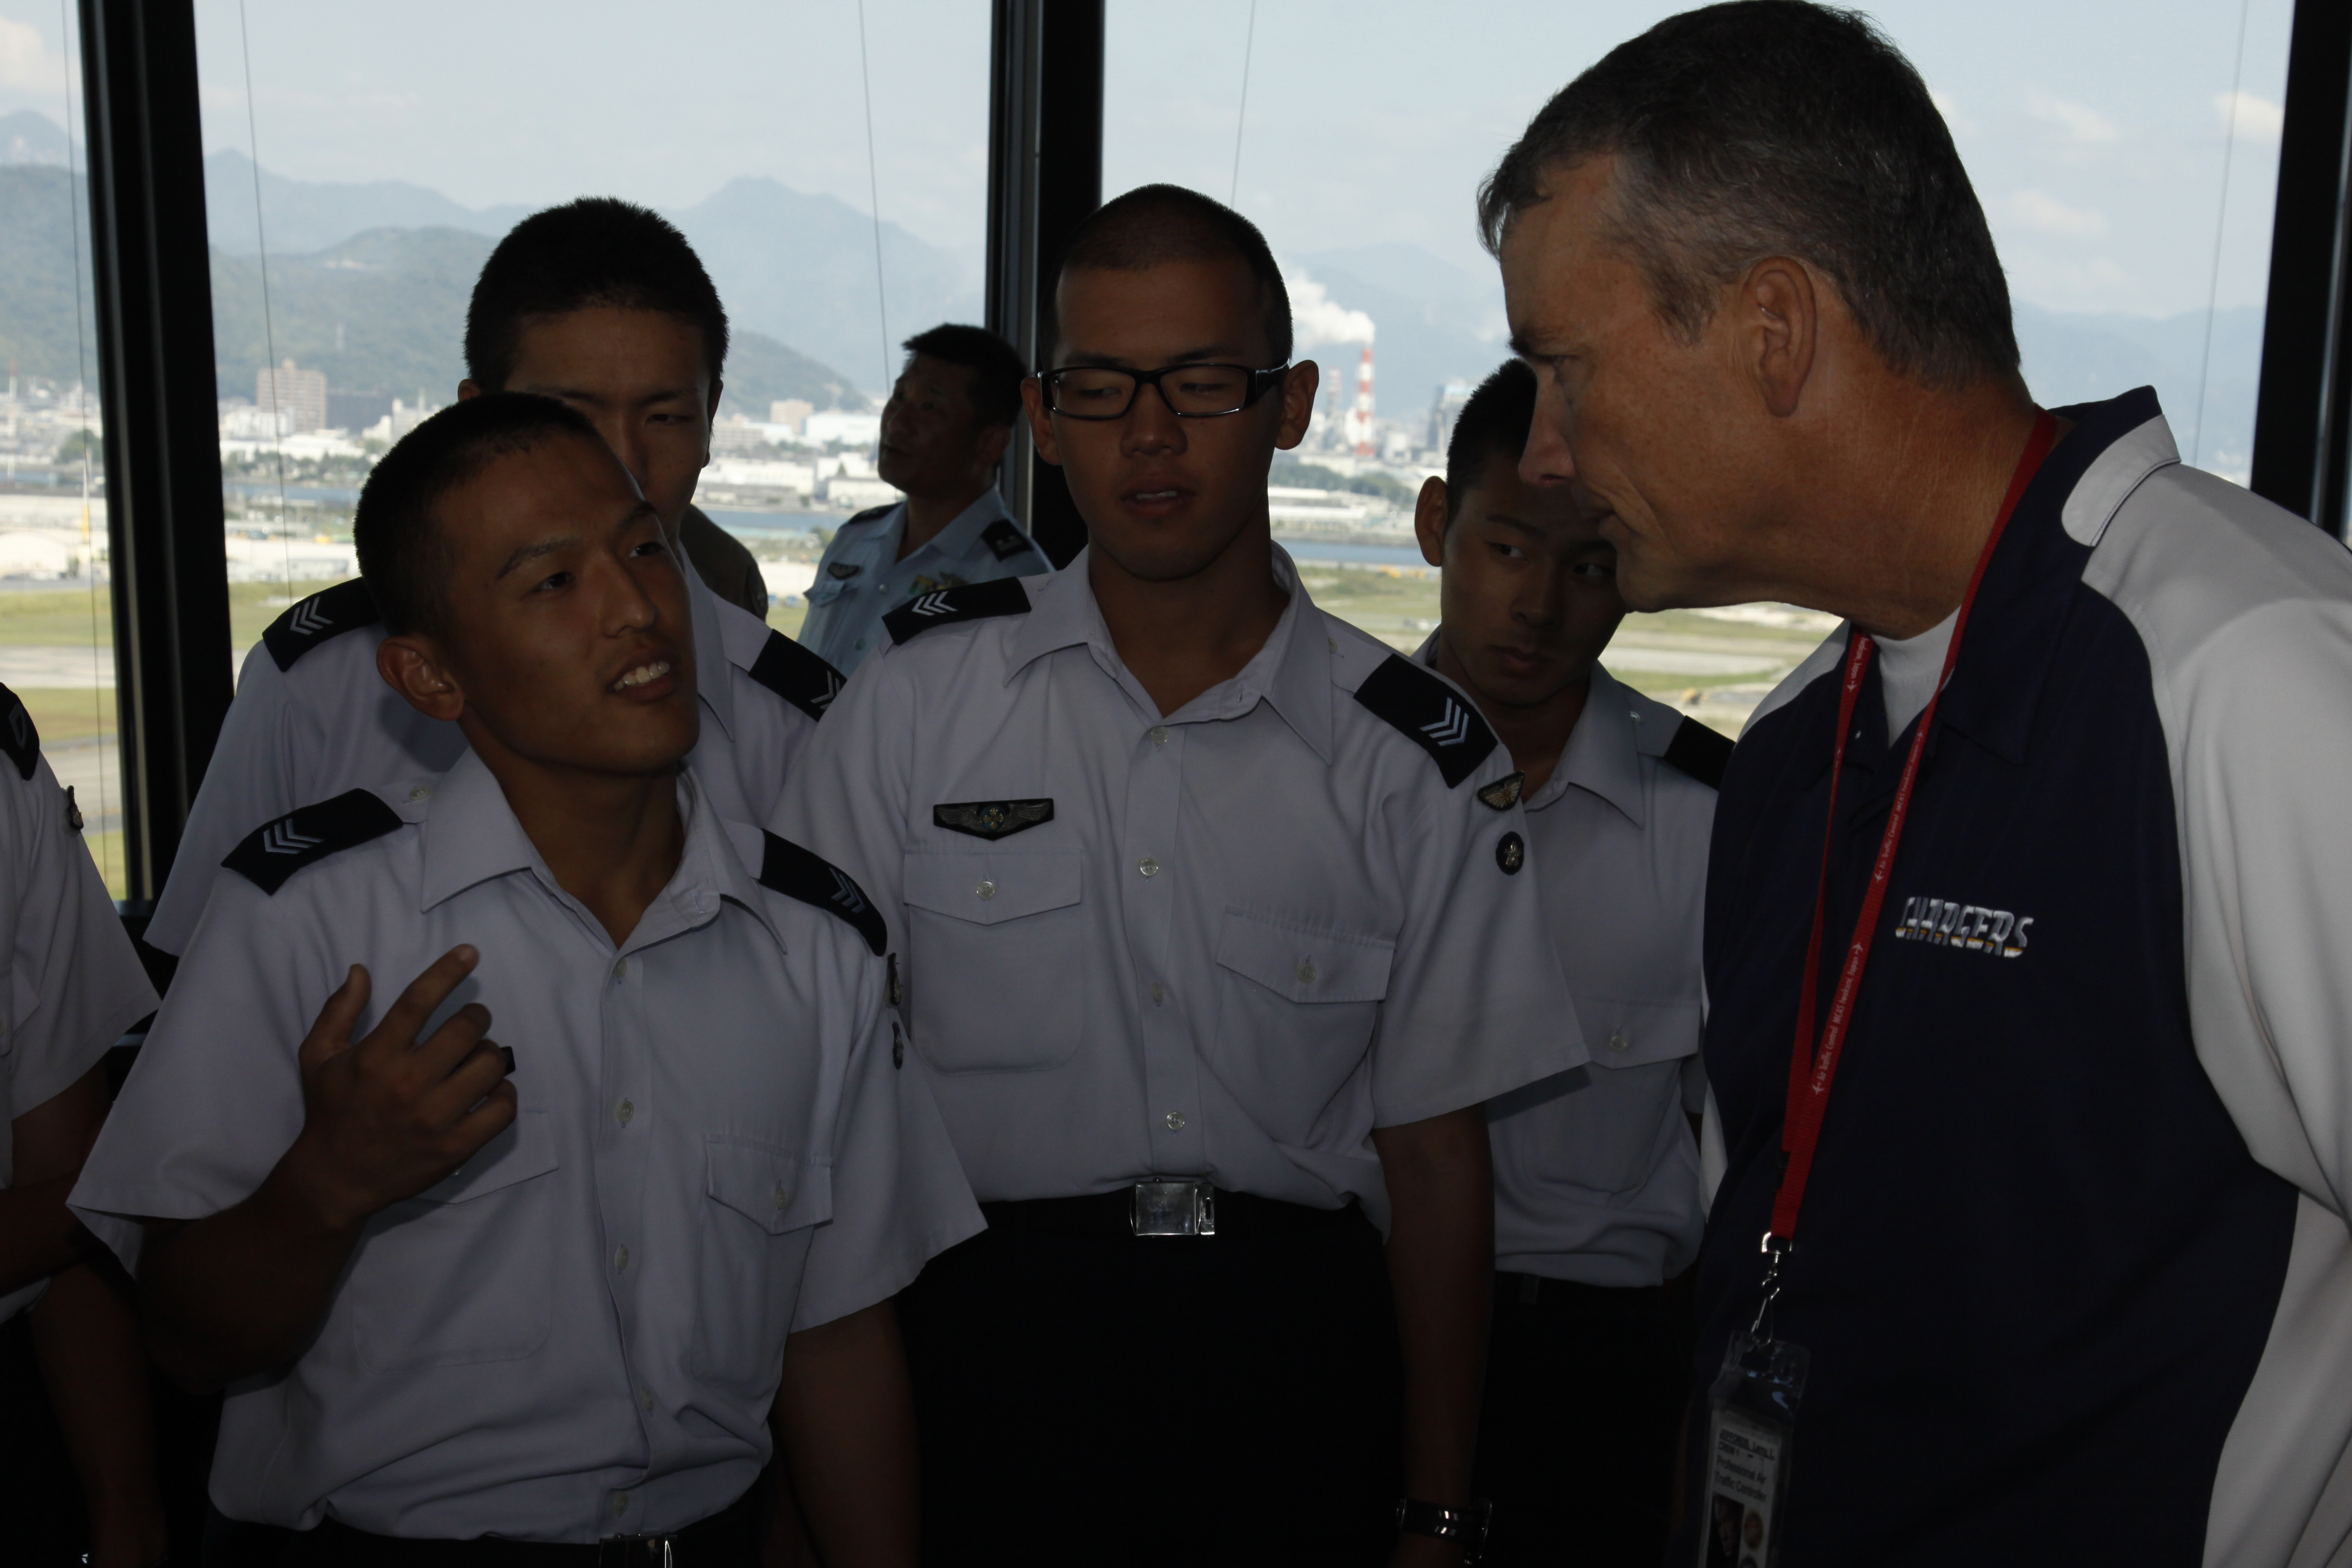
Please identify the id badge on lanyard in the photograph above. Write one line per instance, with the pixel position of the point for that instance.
(1752, 1404)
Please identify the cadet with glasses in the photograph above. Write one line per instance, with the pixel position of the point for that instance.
(1213, 949)
(1597, 1198)
(533, 1305)
(944, 431)
(604, 306)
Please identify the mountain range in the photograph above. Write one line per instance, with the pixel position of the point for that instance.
(369, 281)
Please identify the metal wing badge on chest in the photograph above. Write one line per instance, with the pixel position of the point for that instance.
(991, 818)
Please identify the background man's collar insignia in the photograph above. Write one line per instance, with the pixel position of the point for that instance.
(1004, 539)
(991, 818)
(1504, 792)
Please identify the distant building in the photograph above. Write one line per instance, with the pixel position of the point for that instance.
(400, 421)
(841, 425)
(1444, 411)
(247, 423)
(792, 412)
(301, 393)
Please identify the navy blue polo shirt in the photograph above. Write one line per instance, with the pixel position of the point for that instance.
(2072, 1266)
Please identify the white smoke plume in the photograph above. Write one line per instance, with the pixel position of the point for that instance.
(1315, 318)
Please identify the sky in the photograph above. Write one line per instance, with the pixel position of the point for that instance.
(2095, 129)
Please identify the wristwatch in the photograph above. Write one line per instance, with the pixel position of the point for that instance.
(1466, 1525)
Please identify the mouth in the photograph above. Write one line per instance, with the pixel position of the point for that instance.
(653, 679)
(1155, 500)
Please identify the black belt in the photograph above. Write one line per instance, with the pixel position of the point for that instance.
(1116, 1213)
(1527, 1289)
(728, 1539)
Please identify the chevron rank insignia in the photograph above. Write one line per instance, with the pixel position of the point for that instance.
(1504, 792)
(1431, 714)
(954, 607)
(18, 738)
(1700, 752)
(276, 851)
(785, 867)
(993, 818)
(1004, 539)
(798, 675)
(345, 607)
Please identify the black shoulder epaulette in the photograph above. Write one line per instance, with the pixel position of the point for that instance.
(1699, 752)
(869, 515)
(276, 851)
(952, 606)
(17, 736)
(330, 613)
(1004, 539)
(785, 867)
(797, 675)
(1431, 714)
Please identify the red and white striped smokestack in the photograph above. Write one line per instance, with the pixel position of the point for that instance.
(1360, 423)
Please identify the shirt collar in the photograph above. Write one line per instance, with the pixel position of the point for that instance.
(1292, 673)
(471, 837)
(1603, 755)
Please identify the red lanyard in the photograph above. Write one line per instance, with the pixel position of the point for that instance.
(1812, 1070)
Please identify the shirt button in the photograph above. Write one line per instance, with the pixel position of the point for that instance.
(859, 645)
(1175, 1121)
(1159, 993)
(782, 1197)
(619, 1257)
(621, 969)
(1160, 734)
(1147, 866)
(1617, 1040)
(986, 889)
(620, 1503)
(420, 792)
(622, 1111)
(646, 1398)
(1306, 972)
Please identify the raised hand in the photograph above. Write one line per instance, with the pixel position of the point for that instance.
(392, 1114)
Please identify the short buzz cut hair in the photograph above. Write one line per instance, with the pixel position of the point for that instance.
(1780, 128)
(404, 557)
(1492, 423)
(996, 369)
(596, 251)
(1154, 224)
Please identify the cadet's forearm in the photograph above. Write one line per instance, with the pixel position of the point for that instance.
(242, 1292)
(1441, 1266)
(87, 1337)
(36, 1232)
(846, 1415)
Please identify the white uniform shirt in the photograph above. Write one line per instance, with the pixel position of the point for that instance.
(1247, 934)
(73, 982)
(1596, 1173)
(861, 578)
(579, 1333)
(313, 719)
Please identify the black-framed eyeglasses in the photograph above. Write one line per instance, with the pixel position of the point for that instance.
(1190, 391)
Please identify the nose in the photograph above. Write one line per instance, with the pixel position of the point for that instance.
(628, 443)
(1545, 460)
(1152, 424)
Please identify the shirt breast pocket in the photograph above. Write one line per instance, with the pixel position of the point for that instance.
(462, 1272)
(995, 945)
(762, 1204)
(1608, 1135)
(824, 591)
(1295, 995)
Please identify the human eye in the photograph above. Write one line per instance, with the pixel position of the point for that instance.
(647, 549)
(554, 582)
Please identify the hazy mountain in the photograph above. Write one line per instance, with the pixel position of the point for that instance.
(28, 137)
(796, 267)
(1433, 323)
(39, 311)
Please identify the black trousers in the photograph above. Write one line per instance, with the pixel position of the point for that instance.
(1112, 1400)
(1585, 1388)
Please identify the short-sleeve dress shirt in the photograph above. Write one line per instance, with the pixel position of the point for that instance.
(579, 1333)
(72, 984)
(1245, 934)
(861, 578)
(318, 720)
(1596, 1173)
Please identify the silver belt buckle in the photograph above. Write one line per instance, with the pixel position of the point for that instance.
(1174, 1208)
(637, 1551)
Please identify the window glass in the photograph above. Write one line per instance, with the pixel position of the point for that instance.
(377, 165)
(2099, 134)
(56, 634)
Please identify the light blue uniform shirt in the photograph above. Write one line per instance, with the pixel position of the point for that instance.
(580, 1332)
(861, 578)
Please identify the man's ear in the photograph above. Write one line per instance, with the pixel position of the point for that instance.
(710, 403)
(1041, 424)
(1429, 520)
(415, 667)
(1776, 329)
(1297, 403)
(469, 390)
